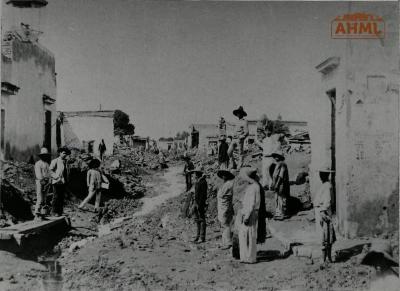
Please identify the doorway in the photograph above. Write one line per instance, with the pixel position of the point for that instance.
(3, 127)
(332, 97)
(47, 130)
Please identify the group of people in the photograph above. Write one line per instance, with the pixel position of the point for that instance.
(53, 177)
(250, 220)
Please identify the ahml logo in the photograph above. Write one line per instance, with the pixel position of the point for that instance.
(358, 25)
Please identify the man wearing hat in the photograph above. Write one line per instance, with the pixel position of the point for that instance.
(223, 158)
(225, 206)
(280, 185)
(248, 217)
(241, 132)
(58, 172)
(42, 181)
(323, 213)
(199, 207)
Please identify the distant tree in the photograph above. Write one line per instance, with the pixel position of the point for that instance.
(122, 125)
(182, 135)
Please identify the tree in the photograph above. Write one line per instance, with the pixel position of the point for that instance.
(122, 125)
(182, 135)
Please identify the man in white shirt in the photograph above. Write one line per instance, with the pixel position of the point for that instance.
(58, 171)
(42, 175)
(270, 144)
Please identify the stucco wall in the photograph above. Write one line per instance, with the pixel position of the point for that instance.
(367, 141)
(76, 130)
(33, 71)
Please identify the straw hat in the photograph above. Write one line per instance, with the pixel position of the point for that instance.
(380, 250)
(278, 154)
(43, 152)
(225, 173)
(239, 111)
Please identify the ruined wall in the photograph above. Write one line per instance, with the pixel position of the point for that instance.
(78, 129)
(367, 141)
(32, 69)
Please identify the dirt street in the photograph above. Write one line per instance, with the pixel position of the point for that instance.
(154, 252)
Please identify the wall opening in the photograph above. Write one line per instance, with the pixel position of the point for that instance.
(47, 130)
(332, 97)
(3, 127)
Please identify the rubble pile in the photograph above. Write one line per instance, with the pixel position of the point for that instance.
(300, 190)
(22, 177)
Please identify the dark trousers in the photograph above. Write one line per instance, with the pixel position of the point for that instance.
(200, 218)
(188, 181)
(57, 204)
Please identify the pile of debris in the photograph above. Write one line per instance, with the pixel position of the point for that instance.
(300, 191)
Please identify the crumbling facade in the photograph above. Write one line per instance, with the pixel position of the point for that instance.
(28, 98)
(356, 132)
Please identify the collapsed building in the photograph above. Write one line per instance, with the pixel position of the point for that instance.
(28, 84)
(84, 130)
(355, 131)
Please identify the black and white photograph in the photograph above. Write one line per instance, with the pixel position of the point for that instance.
(199, 145)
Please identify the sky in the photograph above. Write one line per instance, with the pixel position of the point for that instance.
(169, 64)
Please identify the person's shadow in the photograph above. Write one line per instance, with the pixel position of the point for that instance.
(271, 255)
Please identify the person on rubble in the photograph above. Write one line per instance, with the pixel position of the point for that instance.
(223, 158)
(248, 217)
(94, 181)
(241, 132)
(323, 214)
(225, 206)
(102, 149)
(189, 166)
(42, 174)
(280, 185)
(199, 205)
(269, 144)
(58, 172)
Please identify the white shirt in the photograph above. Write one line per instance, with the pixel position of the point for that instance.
(57, 168)
(42, 170)
(271, 144)
(322, 200)
(251, 200)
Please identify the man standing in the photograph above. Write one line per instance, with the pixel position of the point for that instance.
(225, 206)
(270, 144)
(42, 181)
(58, 171)
(102, 149)
(223, 158)
(199, 207)
(241, 132)
(249, 217)
(189, 166)
(323, 214)
(280, 185)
